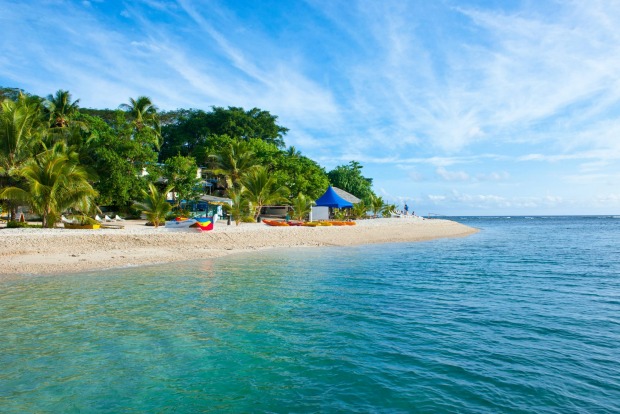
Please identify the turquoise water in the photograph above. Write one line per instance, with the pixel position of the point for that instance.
(521, 317)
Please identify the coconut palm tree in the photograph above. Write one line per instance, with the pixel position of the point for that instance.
(377, 204)
(359, 210)
(54, 182)
(233, 162)
(154, 204)
(144, 117)
(261, 189)
(240, 207)
(21, 130)
(60, 108)
(302, 206)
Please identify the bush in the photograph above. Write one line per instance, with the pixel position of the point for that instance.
(22, 225)
(16, 225)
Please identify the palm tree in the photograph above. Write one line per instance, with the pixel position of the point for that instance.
(61, 108)
(261, 189)
(144, 117)
(240, 207)
(233, 162)
(21, 130)
(359, 210)
(154, 204)
(54, 182)
(377, 204)
(302, 206)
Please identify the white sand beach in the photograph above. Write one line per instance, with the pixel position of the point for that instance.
(54, 251)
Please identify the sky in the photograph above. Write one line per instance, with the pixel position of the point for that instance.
(455, 107)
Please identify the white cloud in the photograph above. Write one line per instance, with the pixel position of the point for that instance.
(452, 175)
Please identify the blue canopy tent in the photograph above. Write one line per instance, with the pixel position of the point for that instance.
(331, 199)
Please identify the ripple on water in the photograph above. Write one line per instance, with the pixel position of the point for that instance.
(506, 320)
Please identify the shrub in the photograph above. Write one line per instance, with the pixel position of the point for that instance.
(16, 225)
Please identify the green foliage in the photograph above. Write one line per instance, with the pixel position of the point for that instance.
(261, 189)
(16, 225)
(112, 150)
(21, 129)
(180, 172)
(388, 209)
(302, 206)
(377, 205)
(238, 123)
(359, 210)
(10, 93)
(60, 108)
(144, 118)
(350, 179)
(194, 132)
(300, 174)
(119, 157)
(233, 161)
(54, 182)
(154, 204)
(187, 133)
(341, 213)
(240, 207)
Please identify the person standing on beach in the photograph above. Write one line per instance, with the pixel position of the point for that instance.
(406, 209)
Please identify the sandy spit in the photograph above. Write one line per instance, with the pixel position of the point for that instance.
(55, 251)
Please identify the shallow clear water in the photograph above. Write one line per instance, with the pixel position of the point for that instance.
(521, 317)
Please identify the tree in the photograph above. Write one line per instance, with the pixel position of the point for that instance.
(359, 210)
(120, 158)
(350, 179)
(233, 161)
(60, 108)
(377, 204)
(143, 114)
(261, 189)
(21, 130)
(186, 133)
(154, 204)
(238, 123)
(300, 174)
(302, 206)
(240, 207)
(180, 172)
(55, 182)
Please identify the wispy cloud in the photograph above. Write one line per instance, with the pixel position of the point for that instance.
(461, 94)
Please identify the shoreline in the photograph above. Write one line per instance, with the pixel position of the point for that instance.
(38, 252)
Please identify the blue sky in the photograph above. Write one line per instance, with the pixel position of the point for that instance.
(458, 107)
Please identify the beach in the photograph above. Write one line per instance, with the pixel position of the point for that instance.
(57, 251)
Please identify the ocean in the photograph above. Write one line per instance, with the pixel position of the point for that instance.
(522, 317)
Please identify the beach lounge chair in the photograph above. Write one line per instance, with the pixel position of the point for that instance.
(119, 218)
(65, 220)
(107, 218)
(99, 219)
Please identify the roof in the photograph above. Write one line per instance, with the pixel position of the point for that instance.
(347, 196)
(214, 199)
(332, 199)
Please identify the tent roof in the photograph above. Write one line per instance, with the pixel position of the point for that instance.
(214, 199)
(347, 196)
(332, 199)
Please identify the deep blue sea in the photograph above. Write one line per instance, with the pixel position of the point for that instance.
(522, 317)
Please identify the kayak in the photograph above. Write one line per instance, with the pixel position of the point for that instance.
(180, 224)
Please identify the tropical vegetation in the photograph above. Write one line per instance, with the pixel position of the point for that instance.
(56, 156)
